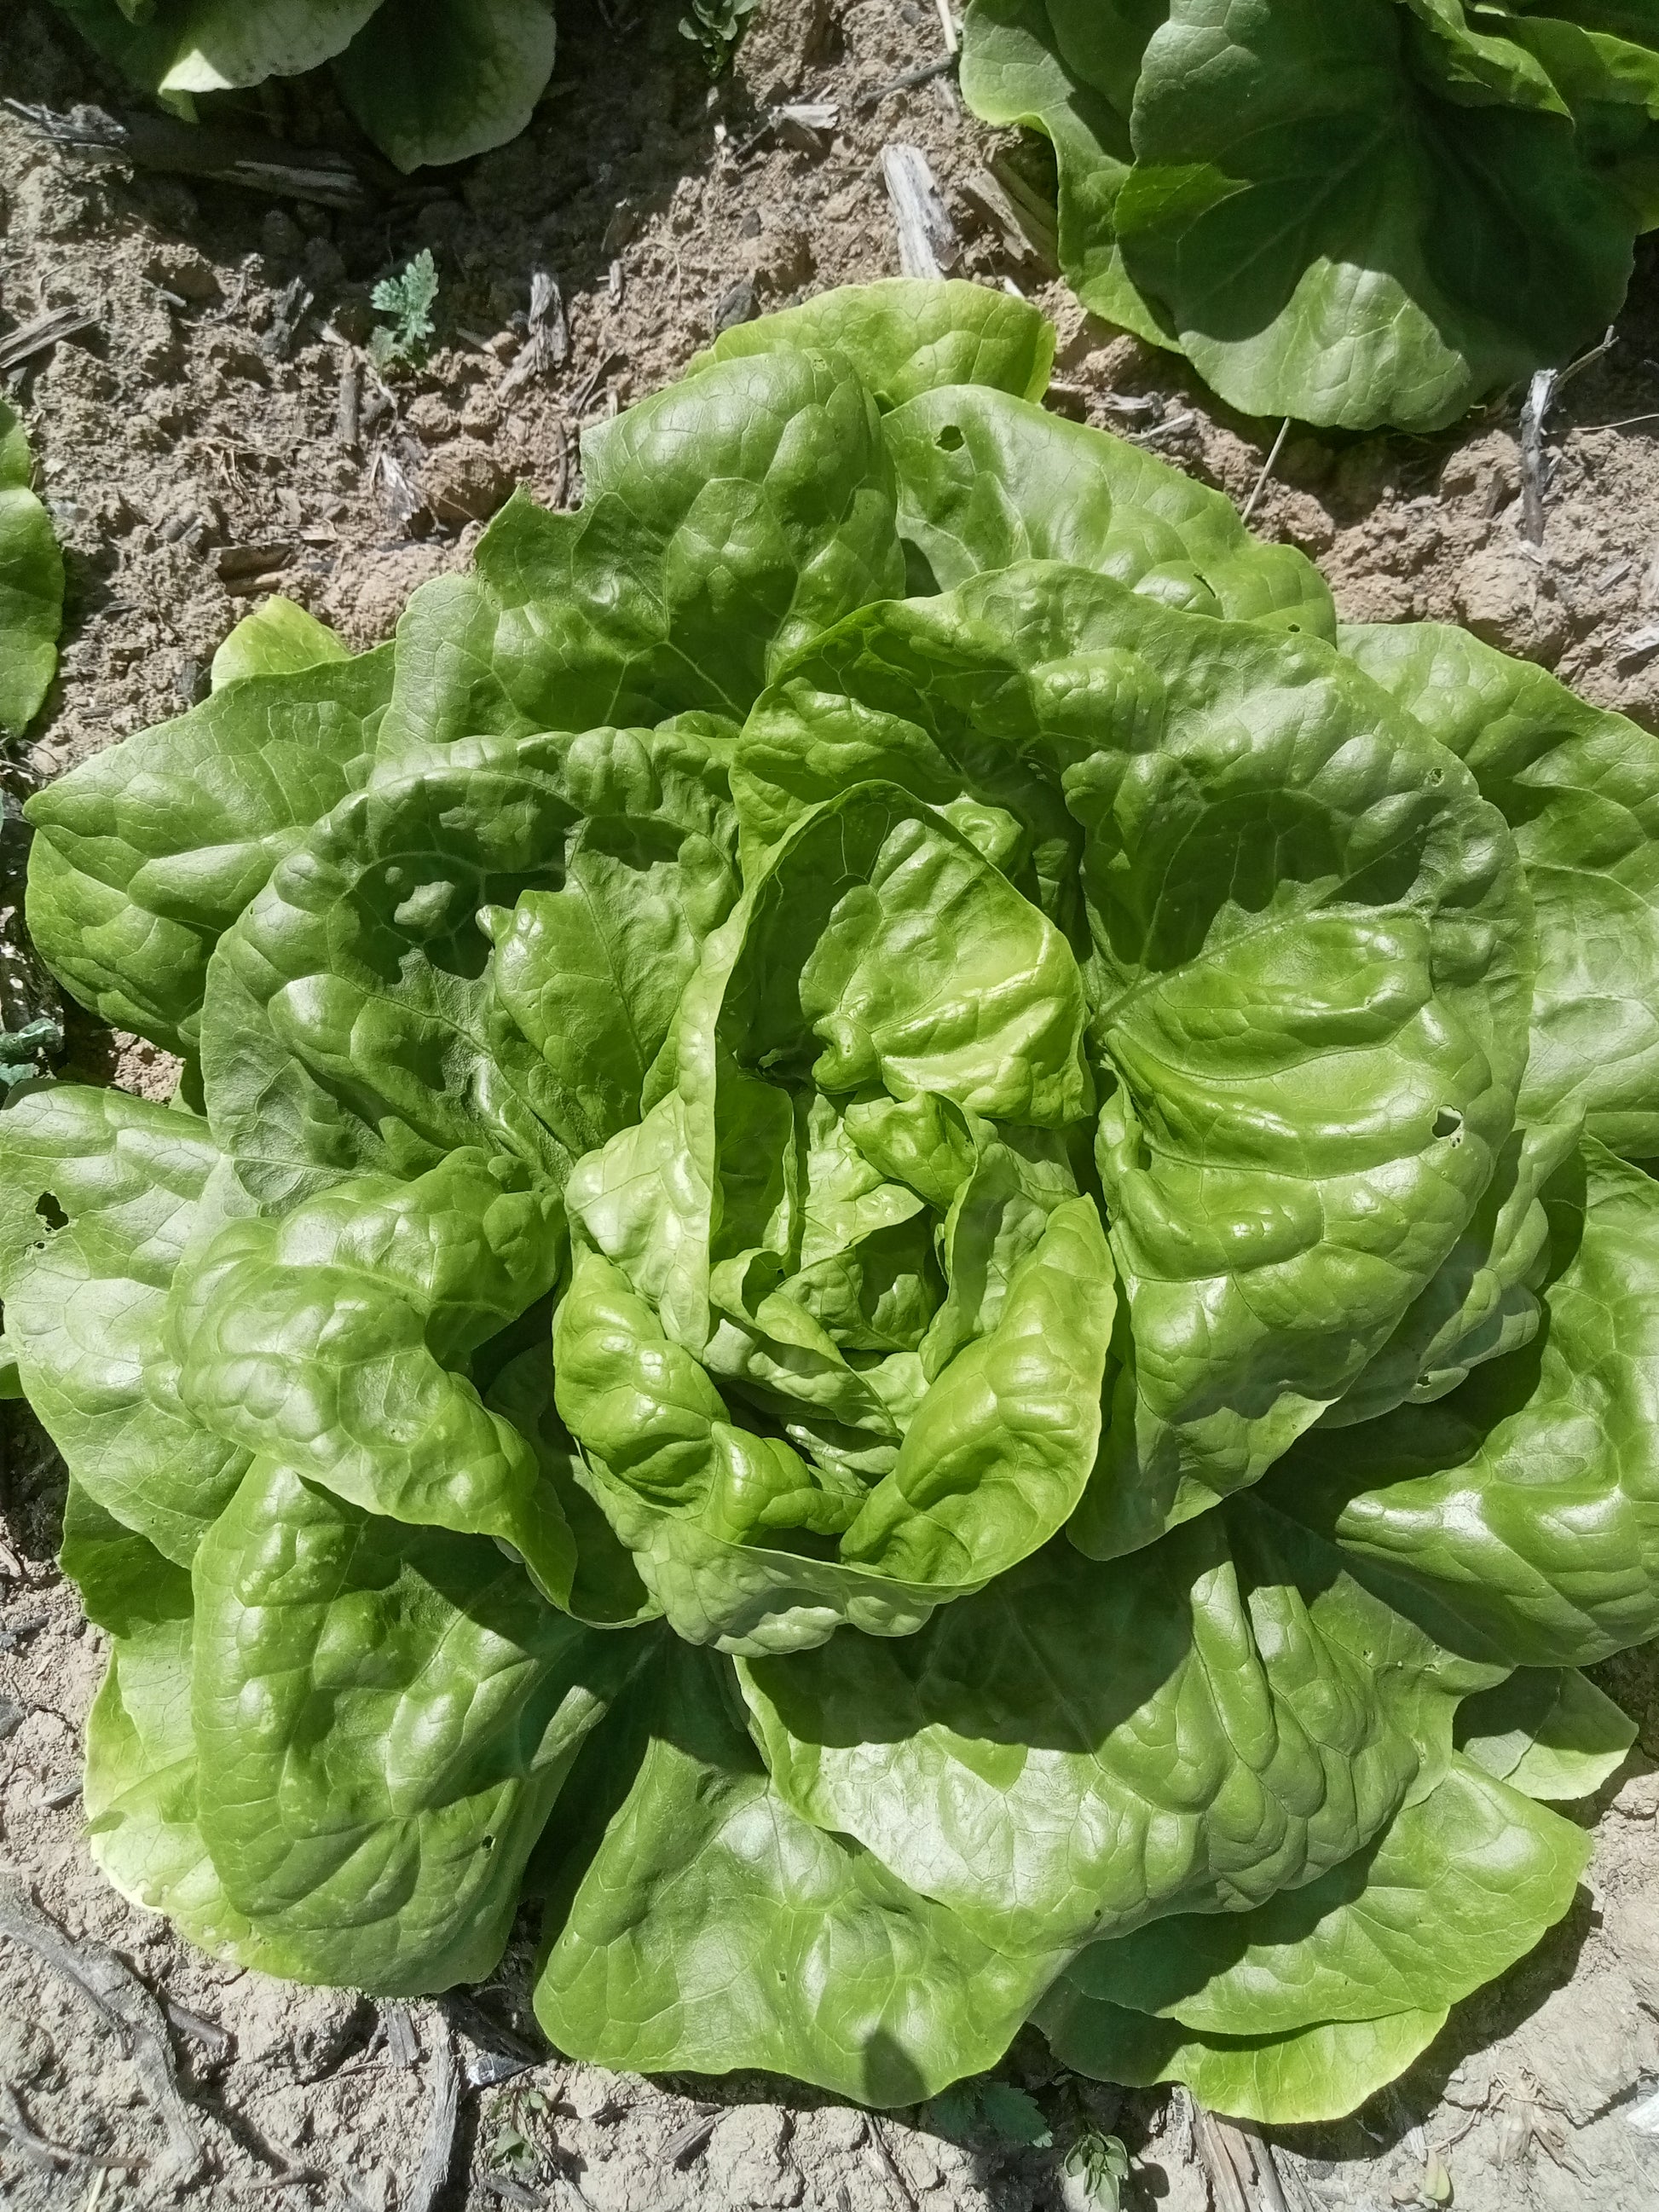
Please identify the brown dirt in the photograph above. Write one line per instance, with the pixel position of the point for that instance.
(190, 452)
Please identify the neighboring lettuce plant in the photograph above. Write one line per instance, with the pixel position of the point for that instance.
(31, 586)
(1355, 212)
(898, 1256)
(430, 81)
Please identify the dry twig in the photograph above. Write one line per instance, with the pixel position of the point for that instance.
(927, 237)
(905, 82)
(901, 2187)
(548, 345)
(438, 2146)
(257, 163)
(42, 334)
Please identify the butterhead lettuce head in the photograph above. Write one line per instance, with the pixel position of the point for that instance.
(899, 1258)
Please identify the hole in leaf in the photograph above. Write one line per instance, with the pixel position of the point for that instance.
(489, 1843)
(49, 1211)
(1448, 1123)
(950, 439)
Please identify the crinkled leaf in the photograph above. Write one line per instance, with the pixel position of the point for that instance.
(101, 1196)
(382, 1716)
(727, 520)
(903, 337)
(711, 1909)
(1579, 787)
(1521, 1514)
(146, 853)
(1016, 1759)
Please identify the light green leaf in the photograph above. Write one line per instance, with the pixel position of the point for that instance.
(146, 853)
(1522, 1513)
(986, 480)
(1320, 2073)
(279, 639)
(1461, 1884)
(383, 1718)
(728, 520)
(1548, 1731)
(319, 1340)
(710, 1906)
(102, 1196)
(903, 337)
(31, 585)
(1579, 787)
(1014, 1761)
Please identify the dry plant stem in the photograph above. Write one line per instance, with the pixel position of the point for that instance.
(686, 2142)
(1270, 2194)
(1267, 468)
(124, 2003)
(41, 334)
(256, 163)
(905, 82)
(1215, 2154)
(1540, 393)
(926, 238)
(438, 2146)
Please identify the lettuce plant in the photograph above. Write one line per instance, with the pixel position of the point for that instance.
(898, 1258)
(429, 81)
(1352, 211)
(31, 586)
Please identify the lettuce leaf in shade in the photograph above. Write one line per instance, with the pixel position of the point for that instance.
(714, 1928)
(1354, 212)
(430, 81)
(1299, 2008)
(1011, 1760)
(897, 1299)
(31, 585)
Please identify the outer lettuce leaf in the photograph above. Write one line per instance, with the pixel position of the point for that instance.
(383, 1718)
(278, 638)
(727, 520)
(1579, 786)
(146, 853)
(430, 81)
(130, 1188)
(1462, 1883)
(904, 338)
(1015, 70)
(1013, 1761)
(1317, 2073)
(354, 1020)
(319, 1343)
(986, 480)
(1548, 1731)
(1350, 211)
(436, 80)
(714, 1928)
(1520, 1515)
(31, 585)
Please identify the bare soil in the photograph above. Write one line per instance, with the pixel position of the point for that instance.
(190, 445)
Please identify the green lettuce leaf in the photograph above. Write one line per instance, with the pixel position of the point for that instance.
(1548, 1731)
(31, 585)
(437, 80)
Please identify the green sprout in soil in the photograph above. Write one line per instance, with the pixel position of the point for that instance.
(408, 298)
